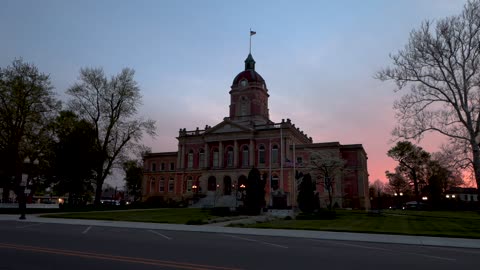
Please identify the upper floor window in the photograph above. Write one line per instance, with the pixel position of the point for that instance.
(245, 156)
(190, 159)
(162, 166)
(215, 158)
(154, 167)
(229, 156)
(261, 154)
(201, 158)
(172, 166)
(275, 154)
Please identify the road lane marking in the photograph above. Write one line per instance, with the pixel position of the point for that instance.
(157, 233)
(253, 240)
(29, 225)
(389, 250)
(86, 230)
(171, 264)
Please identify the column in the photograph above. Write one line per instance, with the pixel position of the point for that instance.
(182, 157)
(179, 154)
(207, 156)
(251, 152)
(220, 154)
(235, 154)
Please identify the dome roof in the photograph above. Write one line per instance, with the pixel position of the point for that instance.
(249, 75)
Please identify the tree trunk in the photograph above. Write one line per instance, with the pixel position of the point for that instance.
(98, 190)
(476, 165)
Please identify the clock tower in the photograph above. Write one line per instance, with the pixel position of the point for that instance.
(249, 96)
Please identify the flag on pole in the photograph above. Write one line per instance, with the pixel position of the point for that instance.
(252, 33)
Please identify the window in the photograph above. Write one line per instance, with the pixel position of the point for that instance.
(215, 158)
(245, 156)
(212, 183)
(190, 159)
(171, 185)
(152, 185)
(299, 160)
(201, 158)
(230, 157)
(275, 154)
(243, 109)
(274, 182)
(162, 166)
(172, 166)
(161, 185)
(261, 154)
(154, 167)
(189, 184)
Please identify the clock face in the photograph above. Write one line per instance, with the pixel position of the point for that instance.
(243, 83)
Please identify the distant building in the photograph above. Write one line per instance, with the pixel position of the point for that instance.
(215, 161)
(462, 194)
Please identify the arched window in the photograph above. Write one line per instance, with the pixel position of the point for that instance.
(274, 182)
(227, 185)
(230, 157)
(189, 184)
(215, 158)
(161, 185)
(171, 185)
(275, 154)
(261, 154)
(190, 159)
(152, 184)
(201, 158)
(212, 183)
(245, 156)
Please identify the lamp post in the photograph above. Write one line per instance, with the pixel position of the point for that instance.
(22, 199)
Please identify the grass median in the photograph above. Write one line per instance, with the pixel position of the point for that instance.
(163, 215)
(446, 224)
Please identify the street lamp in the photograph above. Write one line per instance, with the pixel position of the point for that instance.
(22, 200)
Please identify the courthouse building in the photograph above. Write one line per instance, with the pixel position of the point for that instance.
(214, 162)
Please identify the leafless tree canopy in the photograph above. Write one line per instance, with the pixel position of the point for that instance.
(111, 106)
(440, 63)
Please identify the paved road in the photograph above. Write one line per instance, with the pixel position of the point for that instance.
(31, 245)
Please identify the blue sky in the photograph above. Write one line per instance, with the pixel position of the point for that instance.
(317, 57)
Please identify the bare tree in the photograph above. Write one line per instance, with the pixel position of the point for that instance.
(327, 167)
(441, 64)
(111, 106)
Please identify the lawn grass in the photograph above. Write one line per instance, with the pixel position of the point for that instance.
(163, 215)
(446, 224)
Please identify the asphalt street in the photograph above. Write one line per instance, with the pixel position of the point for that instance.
(30, 245)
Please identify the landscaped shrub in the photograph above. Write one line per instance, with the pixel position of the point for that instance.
(195, 222)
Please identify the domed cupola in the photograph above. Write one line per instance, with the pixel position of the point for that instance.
(249, 74)
(249, 95)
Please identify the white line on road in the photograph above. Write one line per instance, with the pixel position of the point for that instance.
(86, 230)
(29, 225)
(253, 240)
(390, 250)
(157, 233)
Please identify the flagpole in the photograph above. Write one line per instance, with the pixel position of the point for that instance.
(281, 156)
(270, 173)
(294, 177)
(250, 48)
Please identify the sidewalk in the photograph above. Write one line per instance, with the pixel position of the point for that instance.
(217, 228)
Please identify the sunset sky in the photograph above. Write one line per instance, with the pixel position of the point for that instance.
(318, 58)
